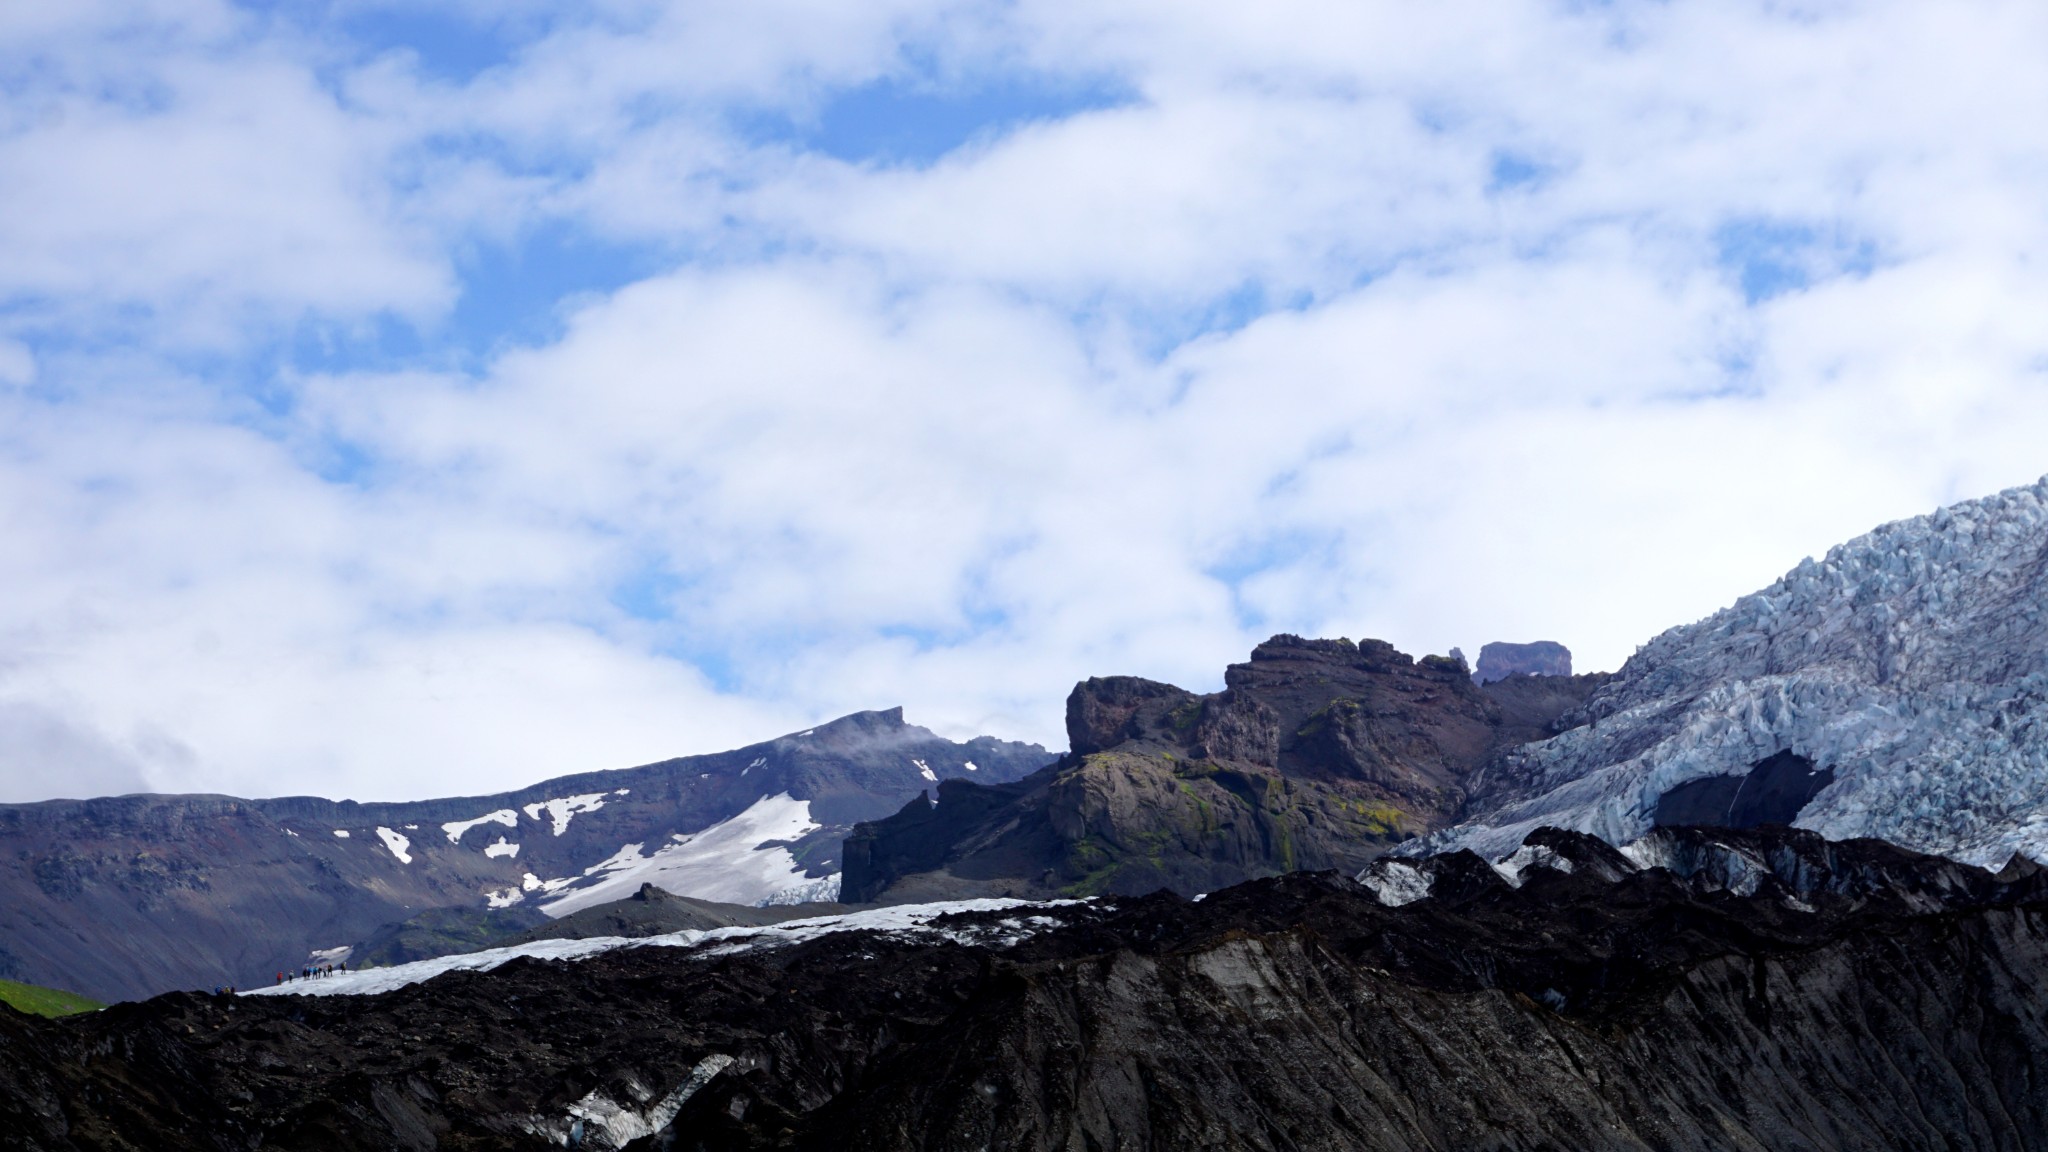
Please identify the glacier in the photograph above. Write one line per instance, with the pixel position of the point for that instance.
(1913, 661)
(904, 920)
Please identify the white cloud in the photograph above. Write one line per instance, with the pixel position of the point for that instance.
(188, 169)
(1573, 322)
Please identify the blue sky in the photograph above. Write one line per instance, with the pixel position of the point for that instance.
(414, 399)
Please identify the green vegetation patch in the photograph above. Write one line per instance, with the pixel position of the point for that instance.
(45, 1001)
(1378, 819)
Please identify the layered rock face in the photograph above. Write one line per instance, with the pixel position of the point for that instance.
(1911, 663)
(1748, 990)
(129, 896)
(1317, 754)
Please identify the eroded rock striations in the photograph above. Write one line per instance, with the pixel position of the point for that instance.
(128, 896)
(1699, 990)
(1316, 754)
(1911, 664)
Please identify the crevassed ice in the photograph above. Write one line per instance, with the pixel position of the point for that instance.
(1395, 882)
(902, 918)
(1912, 660)
(824, 890)
(610, 1124)
(1526, 857)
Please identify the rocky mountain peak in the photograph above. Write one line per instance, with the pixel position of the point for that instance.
(1500, 660)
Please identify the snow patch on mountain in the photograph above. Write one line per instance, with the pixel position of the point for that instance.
(399, 844)
(502, 848)
(455, 828)
(741, 860)
(561, 809)
(1913, 661)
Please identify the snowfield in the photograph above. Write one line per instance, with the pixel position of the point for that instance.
(736, 861)
(906, 918)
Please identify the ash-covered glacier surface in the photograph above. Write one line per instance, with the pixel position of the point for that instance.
(1912, 662)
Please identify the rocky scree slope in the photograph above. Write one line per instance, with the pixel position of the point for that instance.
(1704, 990)
(1317, 754)
(128, 896)
(1911, 664)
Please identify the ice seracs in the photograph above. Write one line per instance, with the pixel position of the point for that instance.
(1912, 661)
(1394, 882)
(824, 890)
(598, 1121)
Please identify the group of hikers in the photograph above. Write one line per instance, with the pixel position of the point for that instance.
(312, 970)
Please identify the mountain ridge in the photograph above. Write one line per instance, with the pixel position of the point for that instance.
(121, 897)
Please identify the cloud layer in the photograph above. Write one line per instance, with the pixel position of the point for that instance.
(401, 401)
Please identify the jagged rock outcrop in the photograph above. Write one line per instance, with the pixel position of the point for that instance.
(1702, 990)
(127, 896)
(1500, 660)
(1317, 754)
(1910, 663)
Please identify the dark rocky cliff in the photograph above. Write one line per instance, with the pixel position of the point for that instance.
(1756, 990)
(129, 896)
(1500, 660)
(1317, 754)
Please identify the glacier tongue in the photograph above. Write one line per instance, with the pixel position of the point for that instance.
(1913, 661)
